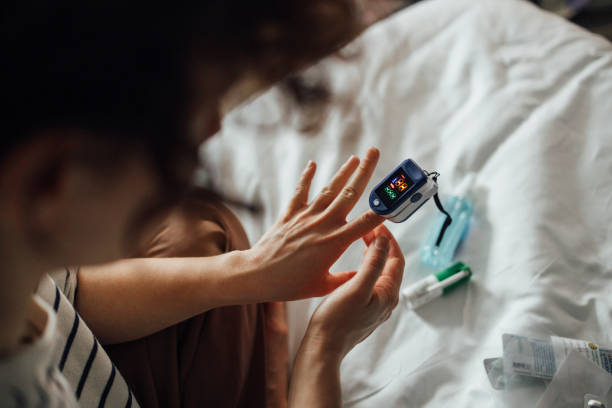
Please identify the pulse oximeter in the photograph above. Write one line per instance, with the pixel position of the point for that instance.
(403, 192)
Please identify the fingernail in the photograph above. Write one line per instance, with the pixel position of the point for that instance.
(381, 243)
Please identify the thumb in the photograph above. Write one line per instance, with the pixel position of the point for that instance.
(371, 266)
(334, 280)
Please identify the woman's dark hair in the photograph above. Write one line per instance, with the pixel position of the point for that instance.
(126, 71)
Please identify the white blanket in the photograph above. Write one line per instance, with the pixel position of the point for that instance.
(496, 91)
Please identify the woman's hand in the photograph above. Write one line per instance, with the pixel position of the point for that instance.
(292, 260)
(345, 318)
(348, 315)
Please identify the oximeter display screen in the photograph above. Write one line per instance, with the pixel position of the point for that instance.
(394, 187)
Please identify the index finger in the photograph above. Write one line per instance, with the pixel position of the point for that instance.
(360, 226)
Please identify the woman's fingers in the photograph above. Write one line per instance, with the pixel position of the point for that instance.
(371, 267)
(394, 251)
(360, 227)
(300, 196)
(388, 285)
(369, 237)
(329, 193)
(346, 200)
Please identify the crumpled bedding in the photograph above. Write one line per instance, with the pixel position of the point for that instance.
(513, 106)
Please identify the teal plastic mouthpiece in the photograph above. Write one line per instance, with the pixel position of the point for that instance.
(441, 256)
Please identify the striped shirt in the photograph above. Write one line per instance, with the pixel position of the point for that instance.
(88, 369)
(30, 377)
(78, 359)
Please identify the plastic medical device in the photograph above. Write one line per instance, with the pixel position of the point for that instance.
(434, 286)
(404, 191)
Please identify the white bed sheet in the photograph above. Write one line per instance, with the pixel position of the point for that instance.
(519, 101)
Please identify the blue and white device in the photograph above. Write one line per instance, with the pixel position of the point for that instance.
(403, 192)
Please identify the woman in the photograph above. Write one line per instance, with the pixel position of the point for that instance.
(108, 103)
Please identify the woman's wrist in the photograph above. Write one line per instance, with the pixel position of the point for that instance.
(318, 346)
(237, 279)
(255, 278)
(315, 381)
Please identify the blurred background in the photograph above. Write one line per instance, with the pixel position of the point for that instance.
(594, 15)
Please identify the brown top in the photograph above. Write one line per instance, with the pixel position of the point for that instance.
(228, 357)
